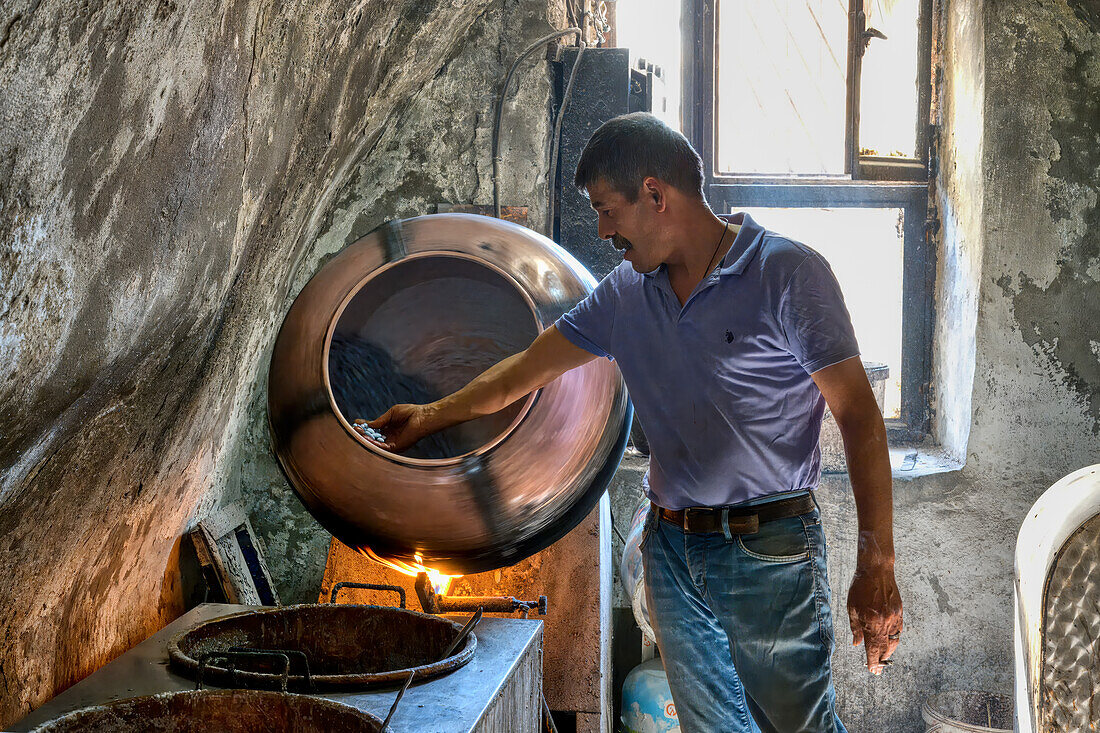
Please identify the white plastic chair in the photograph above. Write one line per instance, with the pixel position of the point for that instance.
(1059, 512)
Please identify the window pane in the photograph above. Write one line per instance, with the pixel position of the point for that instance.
(651, 30)
(864, 248)
(780, 86)
(888, 87)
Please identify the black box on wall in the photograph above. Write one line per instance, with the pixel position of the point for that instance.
(601, 91)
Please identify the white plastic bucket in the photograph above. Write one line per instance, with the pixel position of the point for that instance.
(968, 711)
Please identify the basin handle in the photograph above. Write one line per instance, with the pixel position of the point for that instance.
(291, 653)
(232, 657)
(368, 586)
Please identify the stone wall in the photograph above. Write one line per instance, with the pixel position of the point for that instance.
(170, 175)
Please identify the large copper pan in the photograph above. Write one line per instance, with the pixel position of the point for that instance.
(443, 297)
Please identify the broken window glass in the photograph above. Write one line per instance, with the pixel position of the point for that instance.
(889, 80)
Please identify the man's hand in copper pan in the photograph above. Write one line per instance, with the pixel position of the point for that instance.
(398, 428)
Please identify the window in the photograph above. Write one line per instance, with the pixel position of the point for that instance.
(865, 248)
(813, 116)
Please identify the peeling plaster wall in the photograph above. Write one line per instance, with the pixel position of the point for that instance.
(1042, 226)
(170, 174)
(1020, 240)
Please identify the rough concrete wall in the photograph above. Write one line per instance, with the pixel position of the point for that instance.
(438, 149)
(954, 568)
(1038, 350)
(1036, 378)
(959, 187)
(165, 172)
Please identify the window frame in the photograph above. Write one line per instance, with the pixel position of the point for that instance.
(868, 182)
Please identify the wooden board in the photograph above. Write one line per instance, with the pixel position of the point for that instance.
(231, 553)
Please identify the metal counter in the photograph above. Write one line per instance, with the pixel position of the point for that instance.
(500, 689)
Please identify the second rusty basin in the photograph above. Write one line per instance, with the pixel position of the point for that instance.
(347, 647)
(223, 711)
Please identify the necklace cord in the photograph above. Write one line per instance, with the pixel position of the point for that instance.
(725, 228)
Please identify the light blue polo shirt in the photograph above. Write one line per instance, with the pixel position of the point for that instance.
(722, 386)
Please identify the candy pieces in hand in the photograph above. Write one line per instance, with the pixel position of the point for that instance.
(367, 430)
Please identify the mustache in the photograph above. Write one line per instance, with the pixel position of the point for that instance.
(620, 242)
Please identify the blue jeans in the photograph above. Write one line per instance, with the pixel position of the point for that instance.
(744, 626)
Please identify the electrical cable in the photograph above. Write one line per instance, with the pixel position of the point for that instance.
(547, 719)
(611, 514)
(500, 106)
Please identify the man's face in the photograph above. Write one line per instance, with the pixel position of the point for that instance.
(629, 226)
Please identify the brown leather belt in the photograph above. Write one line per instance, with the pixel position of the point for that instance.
(742, 520)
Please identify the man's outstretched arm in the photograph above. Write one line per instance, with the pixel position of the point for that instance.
(549, 356)
(874, 603)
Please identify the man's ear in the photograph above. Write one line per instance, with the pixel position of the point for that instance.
(655, 190)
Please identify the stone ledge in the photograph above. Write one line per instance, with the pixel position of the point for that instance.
(913, 461)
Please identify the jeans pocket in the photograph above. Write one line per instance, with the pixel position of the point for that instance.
(779, 541)
(815, 534)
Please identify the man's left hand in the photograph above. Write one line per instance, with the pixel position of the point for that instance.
(874, 611)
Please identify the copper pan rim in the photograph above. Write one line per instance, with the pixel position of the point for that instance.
(456, 460)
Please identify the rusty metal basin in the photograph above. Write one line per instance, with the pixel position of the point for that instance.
(225, 711)
(347, 647)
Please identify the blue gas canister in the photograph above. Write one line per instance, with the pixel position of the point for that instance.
(647, 701)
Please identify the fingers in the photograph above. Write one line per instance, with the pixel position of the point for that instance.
(382, 419)
(363, 428)
(399, 427)
(856, 625)
(875, 613)
(877, 654)
(880, 642)
(892, 642)
(891, 646)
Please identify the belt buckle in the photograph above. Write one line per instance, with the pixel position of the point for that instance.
(688, 514)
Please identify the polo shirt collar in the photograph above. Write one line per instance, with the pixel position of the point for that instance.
(745, 245)
(740, 254)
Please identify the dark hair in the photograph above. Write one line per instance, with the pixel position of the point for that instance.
(627, 149)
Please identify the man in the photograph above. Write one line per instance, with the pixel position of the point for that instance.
(731, 341)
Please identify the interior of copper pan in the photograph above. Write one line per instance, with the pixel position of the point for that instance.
(347, 647)
(225, 711)
(421, 328)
